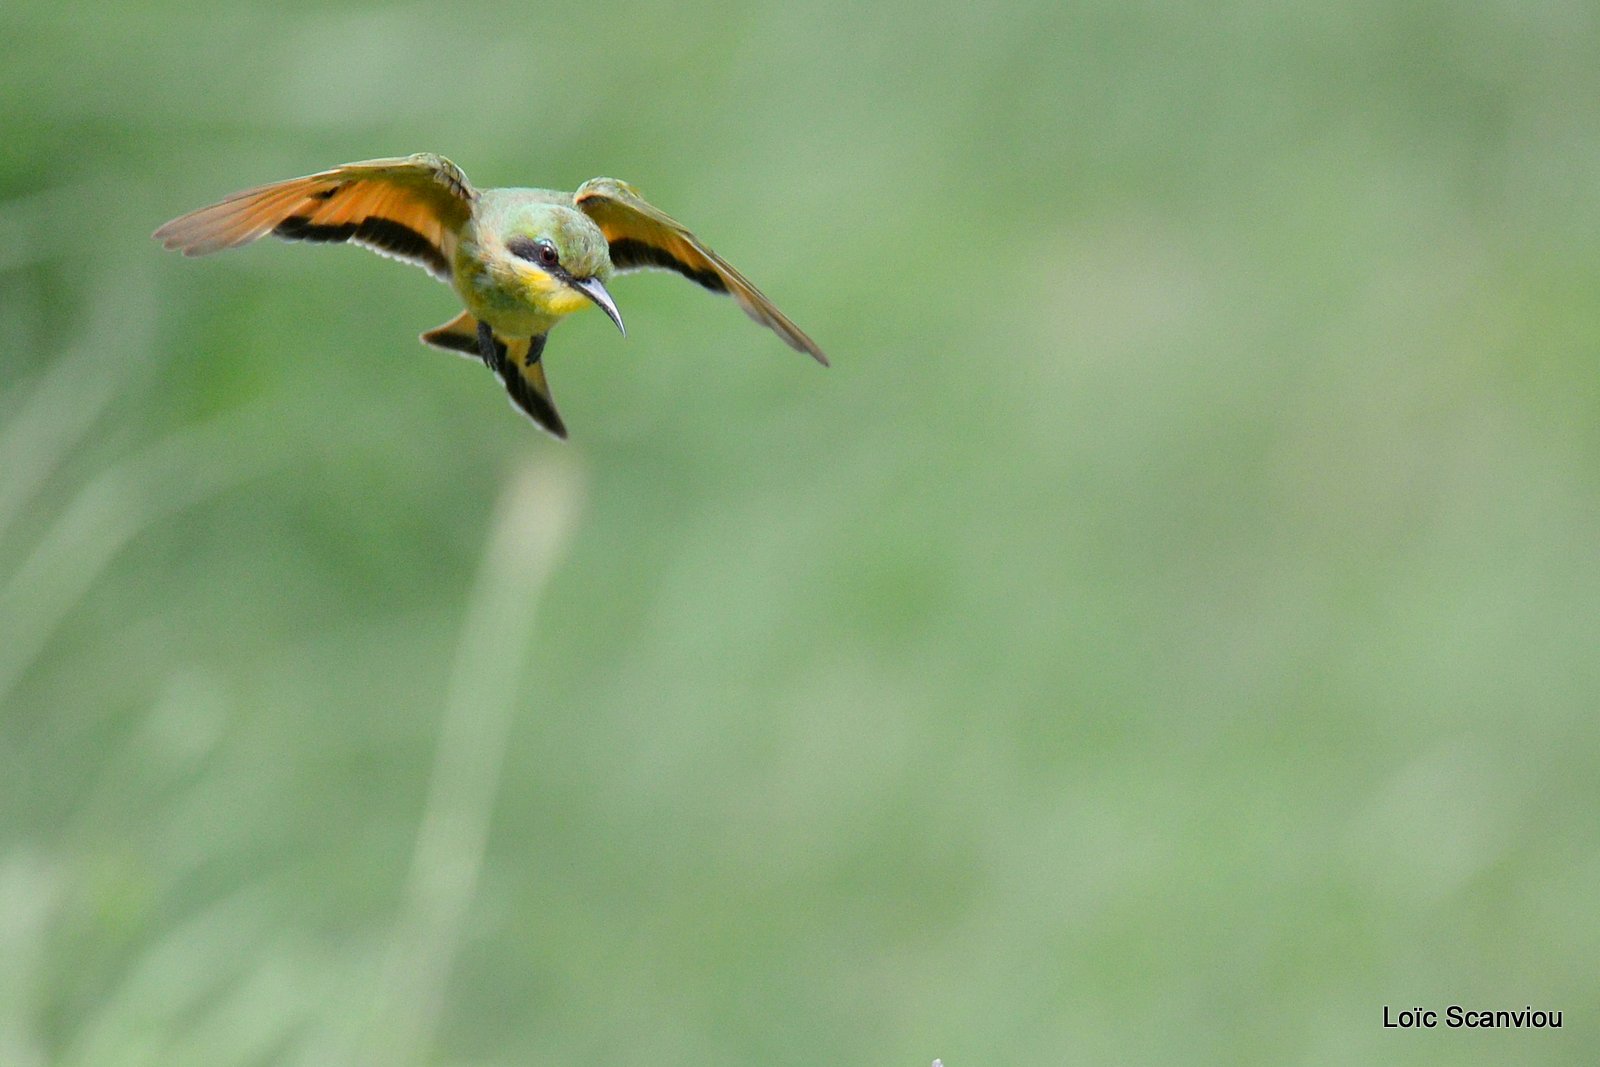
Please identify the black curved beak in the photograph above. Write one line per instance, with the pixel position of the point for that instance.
(596, 291)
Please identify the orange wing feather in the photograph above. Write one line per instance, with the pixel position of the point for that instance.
(642, 236)
(410, 209)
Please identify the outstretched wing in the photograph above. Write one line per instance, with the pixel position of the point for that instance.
(410, 209)
(641, 237)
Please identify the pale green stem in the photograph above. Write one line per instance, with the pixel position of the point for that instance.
(537, 511)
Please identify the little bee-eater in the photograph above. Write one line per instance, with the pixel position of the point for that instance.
(520, 259)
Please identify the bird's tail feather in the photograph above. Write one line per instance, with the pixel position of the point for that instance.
(522, 372)
(514, 360)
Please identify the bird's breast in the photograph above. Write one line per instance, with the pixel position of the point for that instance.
(498, 296)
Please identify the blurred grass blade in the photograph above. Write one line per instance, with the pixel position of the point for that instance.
(30, 226)
(29, 893)
(123, 500)
(536, 513)
(46, 425)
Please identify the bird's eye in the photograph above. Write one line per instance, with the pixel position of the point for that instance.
(541, 251)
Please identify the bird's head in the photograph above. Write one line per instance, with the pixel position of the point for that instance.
(559, 258)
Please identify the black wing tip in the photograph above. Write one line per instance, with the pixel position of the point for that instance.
(451, 342)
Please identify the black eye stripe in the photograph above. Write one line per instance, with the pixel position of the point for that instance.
(540, 252)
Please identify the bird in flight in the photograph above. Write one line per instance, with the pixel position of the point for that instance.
(520, 259)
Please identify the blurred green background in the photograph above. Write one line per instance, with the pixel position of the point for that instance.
(1166, 635)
